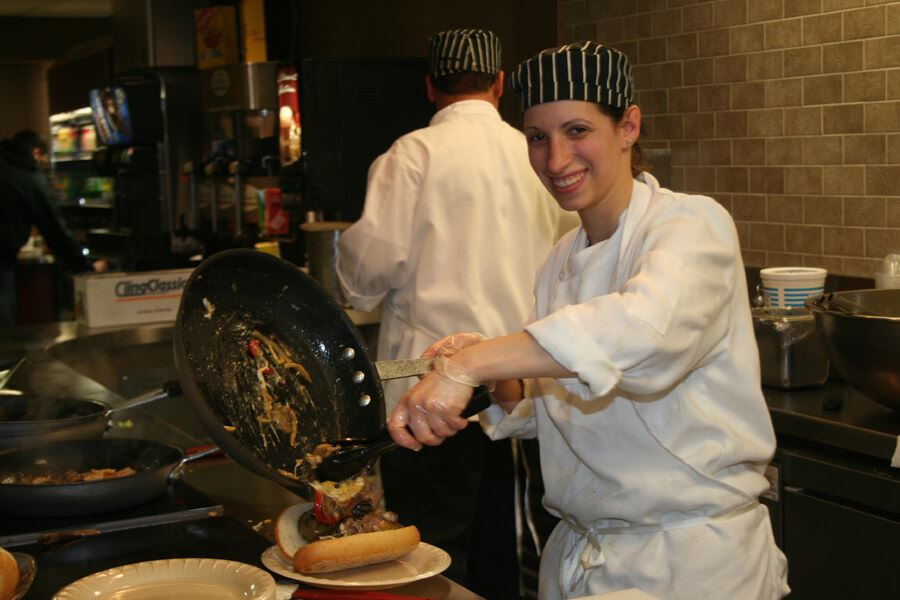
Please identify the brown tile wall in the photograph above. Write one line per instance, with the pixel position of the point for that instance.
(786, 111)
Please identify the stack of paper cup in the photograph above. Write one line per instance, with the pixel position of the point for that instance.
(888, 276)
(786, 287)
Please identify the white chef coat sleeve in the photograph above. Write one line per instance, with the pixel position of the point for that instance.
(670, 315)
(520, 423)
(373, 252)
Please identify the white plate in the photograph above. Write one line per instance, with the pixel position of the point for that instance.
(27, 571)
(178, 578)
(423, 561)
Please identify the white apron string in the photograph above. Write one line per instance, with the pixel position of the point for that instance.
(587, 552)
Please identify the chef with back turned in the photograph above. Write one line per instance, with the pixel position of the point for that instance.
(464, 182)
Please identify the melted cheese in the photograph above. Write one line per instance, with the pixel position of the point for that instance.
(340, 491)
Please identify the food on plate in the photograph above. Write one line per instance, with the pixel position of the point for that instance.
(344, 527)
(70, 476)
(305, 470)
(358, 550)
(9, 575)
(305, 467)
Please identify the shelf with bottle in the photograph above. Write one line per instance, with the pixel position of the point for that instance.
(83, 191)
(72, 136)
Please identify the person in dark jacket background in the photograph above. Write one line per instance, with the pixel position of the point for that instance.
(26, 201)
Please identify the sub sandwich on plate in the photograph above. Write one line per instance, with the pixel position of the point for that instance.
(343, 527)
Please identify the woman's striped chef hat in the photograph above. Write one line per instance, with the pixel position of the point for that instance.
(579, 71)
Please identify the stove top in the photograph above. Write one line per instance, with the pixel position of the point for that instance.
(181, 502)
(218, 538)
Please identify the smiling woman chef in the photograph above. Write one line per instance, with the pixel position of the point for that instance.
(639, 373)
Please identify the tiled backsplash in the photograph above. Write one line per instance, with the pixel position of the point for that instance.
(785, 111)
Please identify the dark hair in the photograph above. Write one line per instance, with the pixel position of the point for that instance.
(617, 114)
(28, 140)
(466, 82)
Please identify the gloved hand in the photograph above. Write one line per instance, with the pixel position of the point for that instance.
(452, 344)
(444, 368)
(431, 410)
(447, 347)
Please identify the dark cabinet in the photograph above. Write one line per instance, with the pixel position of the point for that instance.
(40, 292)
(837, 518)
(839, 551)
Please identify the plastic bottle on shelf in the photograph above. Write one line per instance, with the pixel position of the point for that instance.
(888, 275)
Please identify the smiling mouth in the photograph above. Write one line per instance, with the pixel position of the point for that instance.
(567, 181)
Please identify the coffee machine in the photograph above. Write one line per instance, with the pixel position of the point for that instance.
(239, 158)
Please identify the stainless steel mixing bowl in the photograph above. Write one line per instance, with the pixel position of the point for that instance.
(862, 338)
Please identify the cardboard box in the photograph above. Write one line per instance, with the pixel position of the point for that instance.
(253, 30)
(215, 32)
(120, 299)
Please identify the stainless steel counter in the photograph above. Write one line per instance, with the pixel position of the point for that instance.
(837, 416)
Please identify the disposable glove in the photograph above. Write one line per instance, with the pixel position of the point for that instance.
(447, 347)
(431, 411)
(452, 344)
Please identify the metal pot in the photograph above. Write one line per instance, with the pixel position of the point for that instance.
(322, 239)
(861, 331)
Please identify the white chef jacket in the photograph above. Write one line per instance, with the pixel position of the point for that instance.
(454, 227)
(654, 454)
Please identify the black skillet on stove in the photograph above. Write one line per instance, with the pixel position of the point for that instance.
(249, 322)
(154, 463)
(28, 419)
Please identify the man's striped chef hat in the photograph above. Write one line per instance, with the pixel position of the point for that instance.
(463, 50)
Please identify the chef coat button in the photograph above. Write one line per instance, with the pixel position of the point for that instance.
(359, 377)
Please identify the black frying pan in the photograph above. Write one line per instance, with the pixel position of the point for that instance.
(154, 462)
(27, 419)
(227, 298)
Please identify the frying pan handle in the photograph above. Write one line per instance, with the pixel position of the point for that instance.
(170, 389)
(192, 454)
(481, 400)
(198, 452)
(8, 370)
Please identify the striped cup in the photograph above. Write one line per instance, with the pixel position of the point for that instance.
(786, 287)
